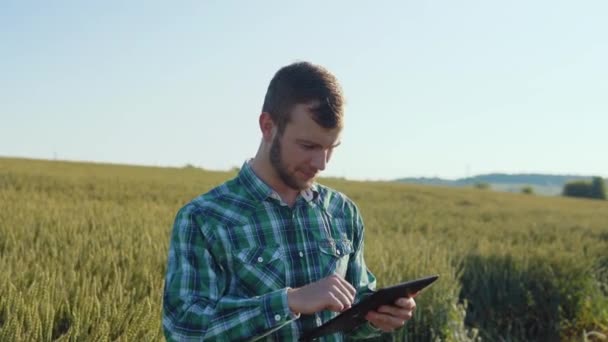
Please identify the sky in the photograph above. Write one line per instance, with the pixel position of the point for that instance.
(433, 88)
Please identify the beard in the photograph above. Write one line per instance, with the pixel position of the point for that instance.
(281, 169)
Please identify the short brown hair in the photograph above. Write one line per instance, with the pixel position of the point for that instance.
(303, 83)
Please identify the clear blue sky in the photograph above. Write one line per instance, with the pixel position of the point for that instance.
(434, 88)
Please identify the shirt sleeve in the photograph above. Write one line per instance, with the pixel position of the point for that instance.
(361, 278)
(194, 305)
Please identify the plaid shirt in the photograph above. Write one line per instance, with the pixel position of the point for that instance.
(235, 250)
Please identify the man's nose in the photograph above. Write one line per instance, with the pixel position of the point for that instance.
(319, 161)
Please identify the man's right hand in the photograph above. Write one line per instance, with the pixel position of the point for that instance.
(330, 293)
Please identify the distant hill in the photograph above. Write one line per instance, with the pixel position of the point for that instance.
(541, 183)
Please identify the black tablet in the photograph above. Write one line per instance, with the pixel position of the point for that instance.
(355, 316)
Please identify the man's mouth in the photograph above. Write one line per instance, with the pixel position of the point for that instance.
(309, 174)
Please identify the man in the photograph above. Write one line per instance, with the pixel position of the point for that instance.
(271, 254)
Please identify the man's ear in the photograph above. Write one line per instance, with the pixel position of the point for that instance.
(267, 127)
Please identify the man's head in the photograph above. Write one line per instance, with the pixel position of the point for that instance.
(304, 83)
(301, 121)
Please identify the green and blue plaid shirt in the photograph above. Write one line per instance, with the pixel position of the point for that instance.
(235, 250)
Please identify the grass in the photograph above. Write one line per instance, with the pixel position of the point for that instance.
(83, 249)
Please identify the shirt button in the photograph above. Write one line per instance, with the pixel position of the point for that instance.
(277, 318)
(301, 255)
(260, 259)
(338, 251)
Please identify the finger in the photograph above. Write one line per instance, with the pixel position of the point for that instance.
(406, 303)
(374, 319)
(396, 311)
(343, 285)
(343, 296)
(384, 322)
(348, 289)
(347, 286)
(334, 303)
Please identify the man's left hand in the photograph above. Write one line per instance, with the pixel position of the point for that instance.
(390, 317)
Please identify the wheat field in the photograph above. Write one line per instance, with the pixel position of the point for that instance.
(83, 249)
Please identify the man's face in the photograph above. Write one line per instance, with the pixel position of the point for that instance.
(303, 150)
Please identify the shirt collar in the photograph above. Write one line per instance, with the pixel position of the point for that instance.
(260, 190)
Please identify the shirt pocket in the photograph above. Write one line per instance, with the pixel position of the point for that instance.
(259, 270)
(335, 255)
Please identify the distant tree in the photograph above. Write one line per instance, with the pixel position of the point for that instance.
(595, 189)
(528, 190)
(577, 189)
(598, 188)
(482, 185)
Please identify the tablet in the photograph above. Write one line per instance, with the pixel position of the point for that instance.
(355, 316)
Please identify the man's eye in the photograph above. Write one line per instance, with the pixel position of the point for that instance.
(308, 147)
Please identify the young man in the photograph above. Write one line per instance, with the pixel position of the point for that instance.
(271, 254)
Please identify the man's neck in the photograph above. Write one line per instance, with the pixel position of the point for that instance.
(266, 173)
